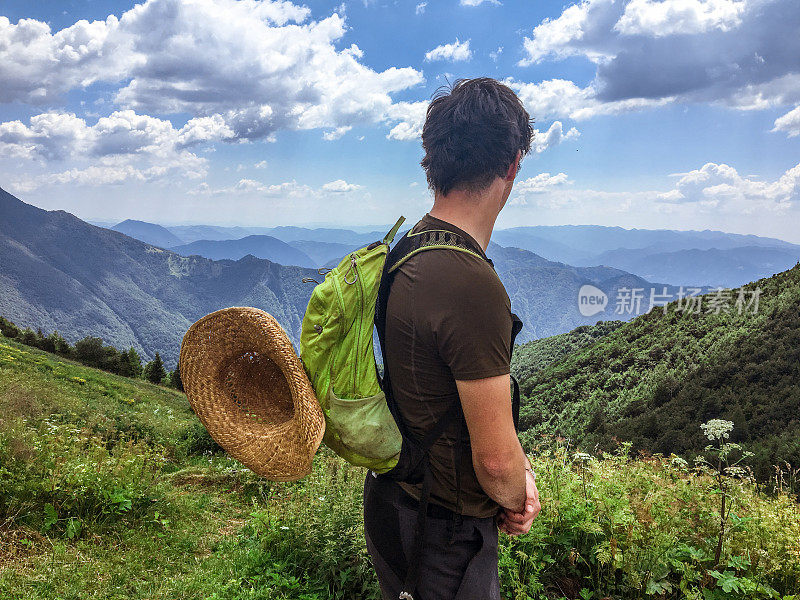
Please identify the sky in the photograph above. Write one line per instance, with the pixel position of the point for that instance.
(658, 114)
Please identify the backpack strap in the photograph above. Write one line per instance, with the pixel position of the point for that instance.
(429, 239)
(408, 246)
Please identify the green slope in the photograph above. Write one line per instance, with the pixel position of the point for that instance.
(108, 491)
(655, 379)
(531, 357)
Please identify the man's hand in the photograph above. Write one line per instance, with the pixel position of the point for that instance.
(514, 523)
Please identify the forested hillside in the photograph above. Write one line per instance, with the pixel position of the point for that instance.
(655, 379)
(531, 357)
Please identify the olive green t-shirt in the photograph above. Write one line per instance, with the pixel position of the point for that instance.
(448, 317)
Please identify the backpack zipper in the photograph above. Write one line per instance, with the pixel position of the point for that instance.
(360, 322)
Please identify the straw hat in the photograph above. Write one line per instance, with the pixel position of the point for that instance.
(250, 390)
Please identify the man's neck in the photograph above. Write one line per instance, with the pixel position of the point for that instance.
(476, 216)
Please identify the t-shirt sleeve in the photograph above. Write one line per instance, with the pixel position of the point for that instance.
(471, 324)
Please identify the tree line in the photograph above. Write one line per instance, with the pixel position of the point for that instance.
(92, 352)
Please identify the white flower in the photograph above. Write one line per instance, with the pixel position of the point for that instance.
(717, 429)
(735, 471)
(678, 463)
(582, 456)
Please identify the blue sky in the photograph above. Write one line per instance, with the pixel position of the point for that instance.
(680, 114)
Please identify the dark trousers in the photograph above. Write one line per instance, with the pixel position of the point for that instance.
(459, 559)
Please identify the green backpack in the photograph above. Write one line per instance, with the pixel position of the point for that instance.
(336, 347)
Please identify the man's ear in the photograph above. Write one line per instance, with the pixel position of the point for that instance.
(513, 168)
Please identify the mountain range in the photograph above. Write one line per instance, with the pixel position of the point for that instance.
(260, 246)
(688, 258)
(683, 258)
(59, 272)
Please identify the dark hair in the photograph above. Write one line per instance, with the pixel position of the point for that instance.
(472, 133)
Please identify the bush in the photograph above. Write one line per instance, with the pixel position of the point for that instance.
(315, 529)
(58, 477)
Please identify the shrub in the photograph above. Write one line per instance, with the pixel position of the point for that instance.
(59, 477)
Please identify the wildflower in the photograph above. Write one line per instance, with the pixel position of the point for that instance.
(717, 429)
(735, 471)
(582, 456)
(678, 463)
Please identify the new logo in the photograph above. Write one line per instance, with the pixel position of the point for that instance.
(591, 300)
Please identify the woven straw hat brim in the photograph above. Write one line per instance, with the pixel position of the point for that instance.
(247, 385)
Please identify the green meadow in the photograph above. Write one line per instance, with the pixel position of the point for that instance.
(110, 488)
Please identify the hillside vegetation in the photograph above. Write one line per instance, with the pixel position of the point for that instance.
(531, 357)
(110, 488)
(654, 380)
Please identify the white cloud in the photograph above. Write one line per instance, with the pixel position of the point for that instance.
(262, 164)
(341, 186)
(420, 8)
(258, 66)
(790, 122)
(552, 137)
(56, 135)
(479, 2)
(411, 117)
(36, 66)
(541, 184)
(495, 54)
(123, 146)
(740, 53)
(715, 184)
(456, 51)
(671, 17)
(251, 187)
(337, 133)
(561, 98)
(286, 189)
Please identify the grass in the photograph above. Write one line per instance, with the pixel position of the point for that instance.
(109, 488)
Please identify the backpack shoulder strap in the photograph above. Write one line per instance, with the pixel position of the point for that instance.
(414, 243)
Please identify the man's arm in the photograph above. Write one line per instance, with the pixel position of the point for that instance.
(497, 455)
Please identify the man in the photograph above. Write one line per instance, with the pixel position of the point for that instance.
(448, 334)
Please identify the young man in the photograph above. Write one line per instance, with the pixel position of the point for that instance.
(448, 335)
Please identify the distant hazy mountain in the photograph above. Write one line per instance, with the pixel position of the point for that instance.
(539, 287)
(193, 233)
(731, 267)
(336, 236)
(260, 246)
(148, 232)
(323, 253)
(591, 240)
(58, 272)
